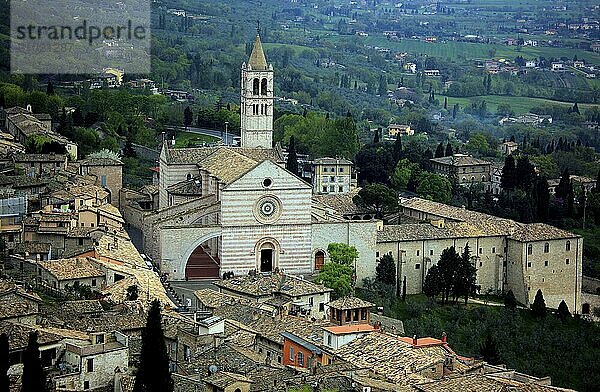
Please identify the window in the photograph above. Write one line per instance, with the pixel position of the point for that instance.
(418, 252)
(291, 353)
(430, 252)
(480, 264)
(321, 307)
(93, 282)
(529, 249)
(546, 247)
(263, 86)
(332, 188)
(189, 176)
(493, 249)
(103, 181)
(328, 339)
(310, 301)
(568, 246)
(80, 241)
(90, 365)
(279, 359)
(255, 86)
(99, 338)
(325, 179)
(267, 182)
(417, 266)
(341, 189)
(324, 189)
(341, 169)
(529, 264)
(480, 250)
(324, 170)
(300, 358)
(332, 179)
(86, 385)
(545, 263)
(11, 238)
(567, 261)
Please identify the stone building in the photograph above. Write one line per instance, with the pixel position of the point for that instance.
(464, 169)
(108, 172)
(508, 255)
(39, 164)
(237, 209)
(60, 273)
(332, 175)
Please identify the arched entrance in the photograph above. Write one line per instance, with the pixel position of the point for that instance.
(319, 260)
(204, 262)
(267, 251)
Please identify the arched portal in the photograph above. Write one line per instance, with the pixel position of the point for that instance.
(267, 255)
(204, 261)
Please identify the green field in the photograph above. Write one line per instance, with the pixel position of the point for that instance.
(518, 104)
(188, 139)
(466, 50)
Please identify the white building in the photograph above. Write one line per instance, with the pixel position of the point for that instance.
(332, 175)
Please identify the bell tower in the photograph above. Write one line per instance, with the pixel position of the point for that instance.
(256, 109)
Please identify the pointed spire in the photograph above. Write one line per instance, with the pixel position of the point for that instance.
(257, 59)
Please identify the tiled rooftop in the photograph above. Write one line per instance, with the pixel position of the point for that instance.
(460, 160)
(265, 285)
(71, 269)
(345, 303)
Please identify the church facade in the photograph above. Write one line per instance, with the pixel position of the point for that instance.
(237, 209)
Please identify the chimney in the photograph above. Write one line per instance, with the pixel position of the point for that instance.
(444, 338)
(414, 340)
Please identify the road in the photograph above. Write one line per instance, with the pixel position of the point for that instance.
(203, 131)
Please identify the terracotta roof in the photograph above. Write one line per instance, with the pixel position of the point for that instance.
(460, 160)
(71, 269)
(483, 383)
(101, 161)
(40, 158)
(332, 161)
(347, 329)
(266, 285)
(190, 156)
(32, 247)
(540, 232)
(388, 356)
(224, 379)
(345, 303)
(188, 187)
(227, 164)
(341, 203)
(214, 299)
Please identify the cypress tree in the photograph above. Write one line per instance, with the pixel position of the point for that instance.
(33, 375)
(510, 301)
(445, 103)
(542, 199)
(439, 151)
(449, 151)
(4, 363)
(292, 160)
(376, 136)
(50, 89)
(538, 307)
(397, 150)
(564, 185)
(489, 351)
(508, 180)
(563, 311)
(153, 371)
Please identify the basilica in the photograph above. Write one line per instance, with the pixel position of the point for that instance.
(237, 209)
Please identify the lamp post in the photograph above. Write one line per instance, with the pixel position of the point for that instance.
(226, 126)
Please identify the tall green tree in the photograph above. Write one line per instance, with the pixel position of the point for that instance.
(397, 149)
(342, 254)
(538, 307)
(563, 311)
(292, 160)
(508, 181)
(378, 199)
(4, 363)
(33, 375)
(338, 277)
(510, 301)
(153, 371)
(448, 266)
(449, 151)
(439, 151)
(385, 271)
(433, 186)
(188, 116)
(432, 286)
(465, 276)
